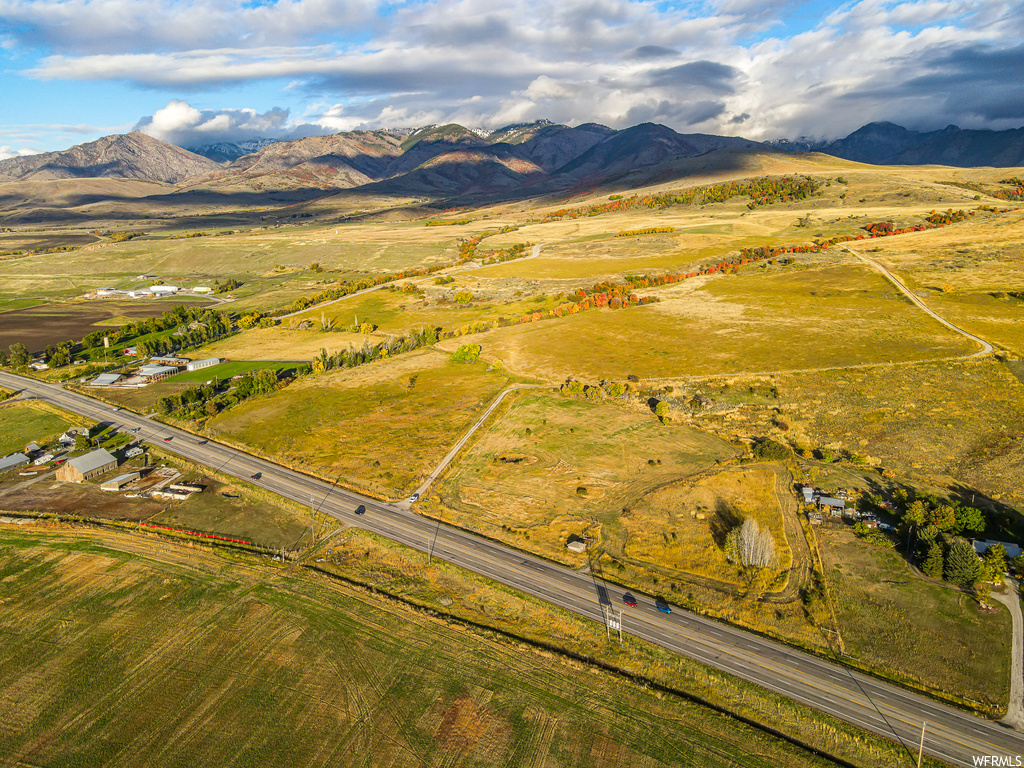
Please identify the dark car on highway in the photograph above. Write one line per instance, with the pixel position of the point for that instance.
(360, 510)
(167, 439)
(202, 442)
(257, 476)
(663, 606)
(629, 600)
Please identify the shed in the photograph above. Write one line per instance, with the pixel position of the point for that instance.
(808, 493)
(105, 380)
(32, 448)
(158, 289)
(195, 365)
(835, 507)
(577, 545)
(12, 461)
(169, 360)
(120, 481)
(981, 547)
(85, 467)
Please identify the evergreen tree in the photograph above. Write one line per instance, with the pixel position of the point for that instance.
(933, 563)
(962, 564)
(19, 355)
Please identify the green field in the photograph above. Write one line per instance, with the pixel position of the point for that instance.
(22, 423)
(124, 651)
(381, 427)
(224, 371)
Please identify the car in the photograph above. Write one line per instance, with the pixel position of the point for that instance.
(361, 509)
(202, 442)
(415, 497)
(629, 600)
(117, 409)
(168, 439)
(663, 606)
(257, 476)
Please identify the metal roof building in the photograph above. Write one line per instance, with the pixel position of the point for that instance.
(105, 380)
(157, 371)
(12, 461)
(195, 365)
(84, 467)
(120, 481)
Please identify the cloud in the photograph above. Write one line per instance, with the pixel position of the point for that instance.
(181, 123)
(8, 152)
(763, 69)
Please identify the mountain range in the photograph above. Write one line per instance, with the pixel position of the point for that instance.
(451, 161)
(891, 144)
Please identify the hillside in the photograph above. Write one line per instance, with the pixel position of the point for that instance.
(127, 156)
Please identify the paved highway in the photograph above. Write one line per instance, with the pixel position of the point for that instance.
(886, 709)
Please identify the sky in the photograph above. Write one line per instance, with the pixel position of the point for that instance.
(197, 72)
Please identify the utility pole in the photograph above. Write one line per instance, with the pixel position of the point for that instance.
(920, 749)
(430, 554)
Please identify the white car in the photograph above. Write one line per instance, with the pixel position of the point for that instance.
(415, 497)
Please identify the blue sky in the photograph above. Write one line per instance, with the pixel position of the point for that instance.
(197, 72)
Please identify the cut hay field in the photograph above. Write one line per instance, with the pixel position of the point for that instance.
(380, 427)
(126, 651)
(777, 318)
(25, 422)
(923, 631)
(550, 467)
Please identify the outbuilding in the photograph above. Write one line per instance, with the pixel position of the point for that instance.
(12, 461)
(105, 380)
(208, 362)
(835, 507)
(120, 481)
(85, 467)
(157, 372)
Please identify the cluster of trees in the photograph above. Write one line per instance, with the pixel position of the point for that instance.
(393, 345)
(210, 399)
(595, 392)
(941, 218)
(1017, 193)
(516, 251)
(749, 546)
(762, 191)
(880, 227)
(351, 286)
(122, 237)
(174, 317)
(228, 285)
(17, 356)
(447, 222)
(467, 353)
(645, 231)
(934, 530)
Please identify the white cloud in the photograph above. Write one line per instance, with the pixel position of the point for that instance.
(181, 123)
(488, 63)
(8, 152)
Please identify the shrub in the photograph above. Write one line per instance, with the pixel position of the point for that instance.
(467, 353)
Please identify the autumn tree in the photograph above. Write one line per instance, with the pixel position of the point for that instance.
(749, 546)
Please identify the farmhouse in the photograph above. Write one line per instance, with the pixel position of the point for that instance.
(120, 481)
(808, 493)
(981, 547)
(85, 467)
(835, 507)
(195, 365)
(12, 461)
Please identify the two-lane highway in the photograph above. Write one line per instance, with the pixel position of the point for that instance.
(885, 709)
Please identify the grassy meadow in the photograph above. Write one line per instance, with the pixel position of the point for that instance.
(772, 319)
(550, 467)
(922, 631)
(25, 422)
(381, 427)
